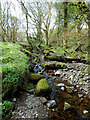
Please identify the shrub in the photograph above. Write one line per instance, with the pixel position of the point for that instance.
(7, 108)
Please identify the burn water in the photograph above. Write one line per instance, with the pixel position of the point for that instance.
(78, 100)
(79, 104)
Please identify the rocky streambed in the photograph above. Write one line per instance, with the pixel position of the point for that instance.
(69, 98)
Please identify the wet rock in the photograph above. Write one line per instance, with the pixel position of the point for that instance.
(57, 72)
(85, 112)
(62, 75)
(31, 91)
(43, 88)
(51, 103)
(38, 69)
(34, 113)
(35, 77)
(60, 85)
(65, 69)
(62, 88)
(71, 77)
(75, 90)
(14, 99)
(70, 89)
(66, 106)
(85, 79)
(43, 99)
(80, 95)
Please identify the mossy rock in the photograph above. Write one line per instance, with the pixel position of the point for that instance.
(52, 65)
(35, 77)
(43, 88)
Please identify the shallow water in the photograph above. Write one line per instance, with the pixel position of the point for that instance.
(79, 101)
(78, 104)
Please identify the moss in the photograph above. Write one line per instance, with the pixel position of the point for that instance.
(64, 66)
(42, 88)
(27, 52)
(54, 57)
(35, 77)
(46, 51)
(35, 54)
(14, 64)
(59, 50)
(53, 65)
(29, 86)
(7, 108)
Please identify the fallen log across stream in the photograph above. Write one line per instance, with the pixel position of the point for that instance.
(66, 59)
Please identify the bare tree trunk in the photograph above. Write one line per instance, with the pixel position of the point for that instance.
(46, 37)
(65, 20)
(27, 27)
(88, 16)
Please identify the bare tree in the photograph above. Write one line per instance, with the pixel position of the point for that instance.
(47, 21)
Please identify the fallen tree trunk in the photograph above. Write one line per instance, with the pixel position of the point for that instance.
(66, 59)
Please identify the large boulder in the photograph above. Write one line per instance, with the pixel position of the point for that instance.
(43, 88)
(35, 77)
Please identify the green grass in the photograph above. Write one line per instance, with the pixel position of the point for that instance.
(14, 64)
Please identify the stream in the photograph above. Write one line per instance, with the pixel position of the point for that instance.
(70, 93)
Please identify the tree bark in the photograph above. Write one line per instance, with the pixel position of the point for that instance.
(88, 17)
(65, 20)
(46, 37)
(27, 26)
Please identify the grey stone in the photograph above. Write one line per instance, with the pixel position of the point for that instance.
(66, 106)
(62, 88)
(60, 85)
(80, 95)
(51, 103)
(70, 89)
(14, 99)
(35, 113)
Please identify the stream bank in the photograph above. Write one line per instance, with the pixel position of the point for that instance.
(70, 93)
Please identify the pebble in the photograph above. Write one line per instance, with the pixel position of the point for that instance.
(85, 112)
(62, 88)
(66, 106)
(60, 85)
(51, 103)
(80, 95)
(70, 89)
(34, 113)
(14, 99)
(57, 72)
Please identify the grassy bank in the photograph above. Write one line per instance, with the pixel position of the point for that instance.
(14, 64)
